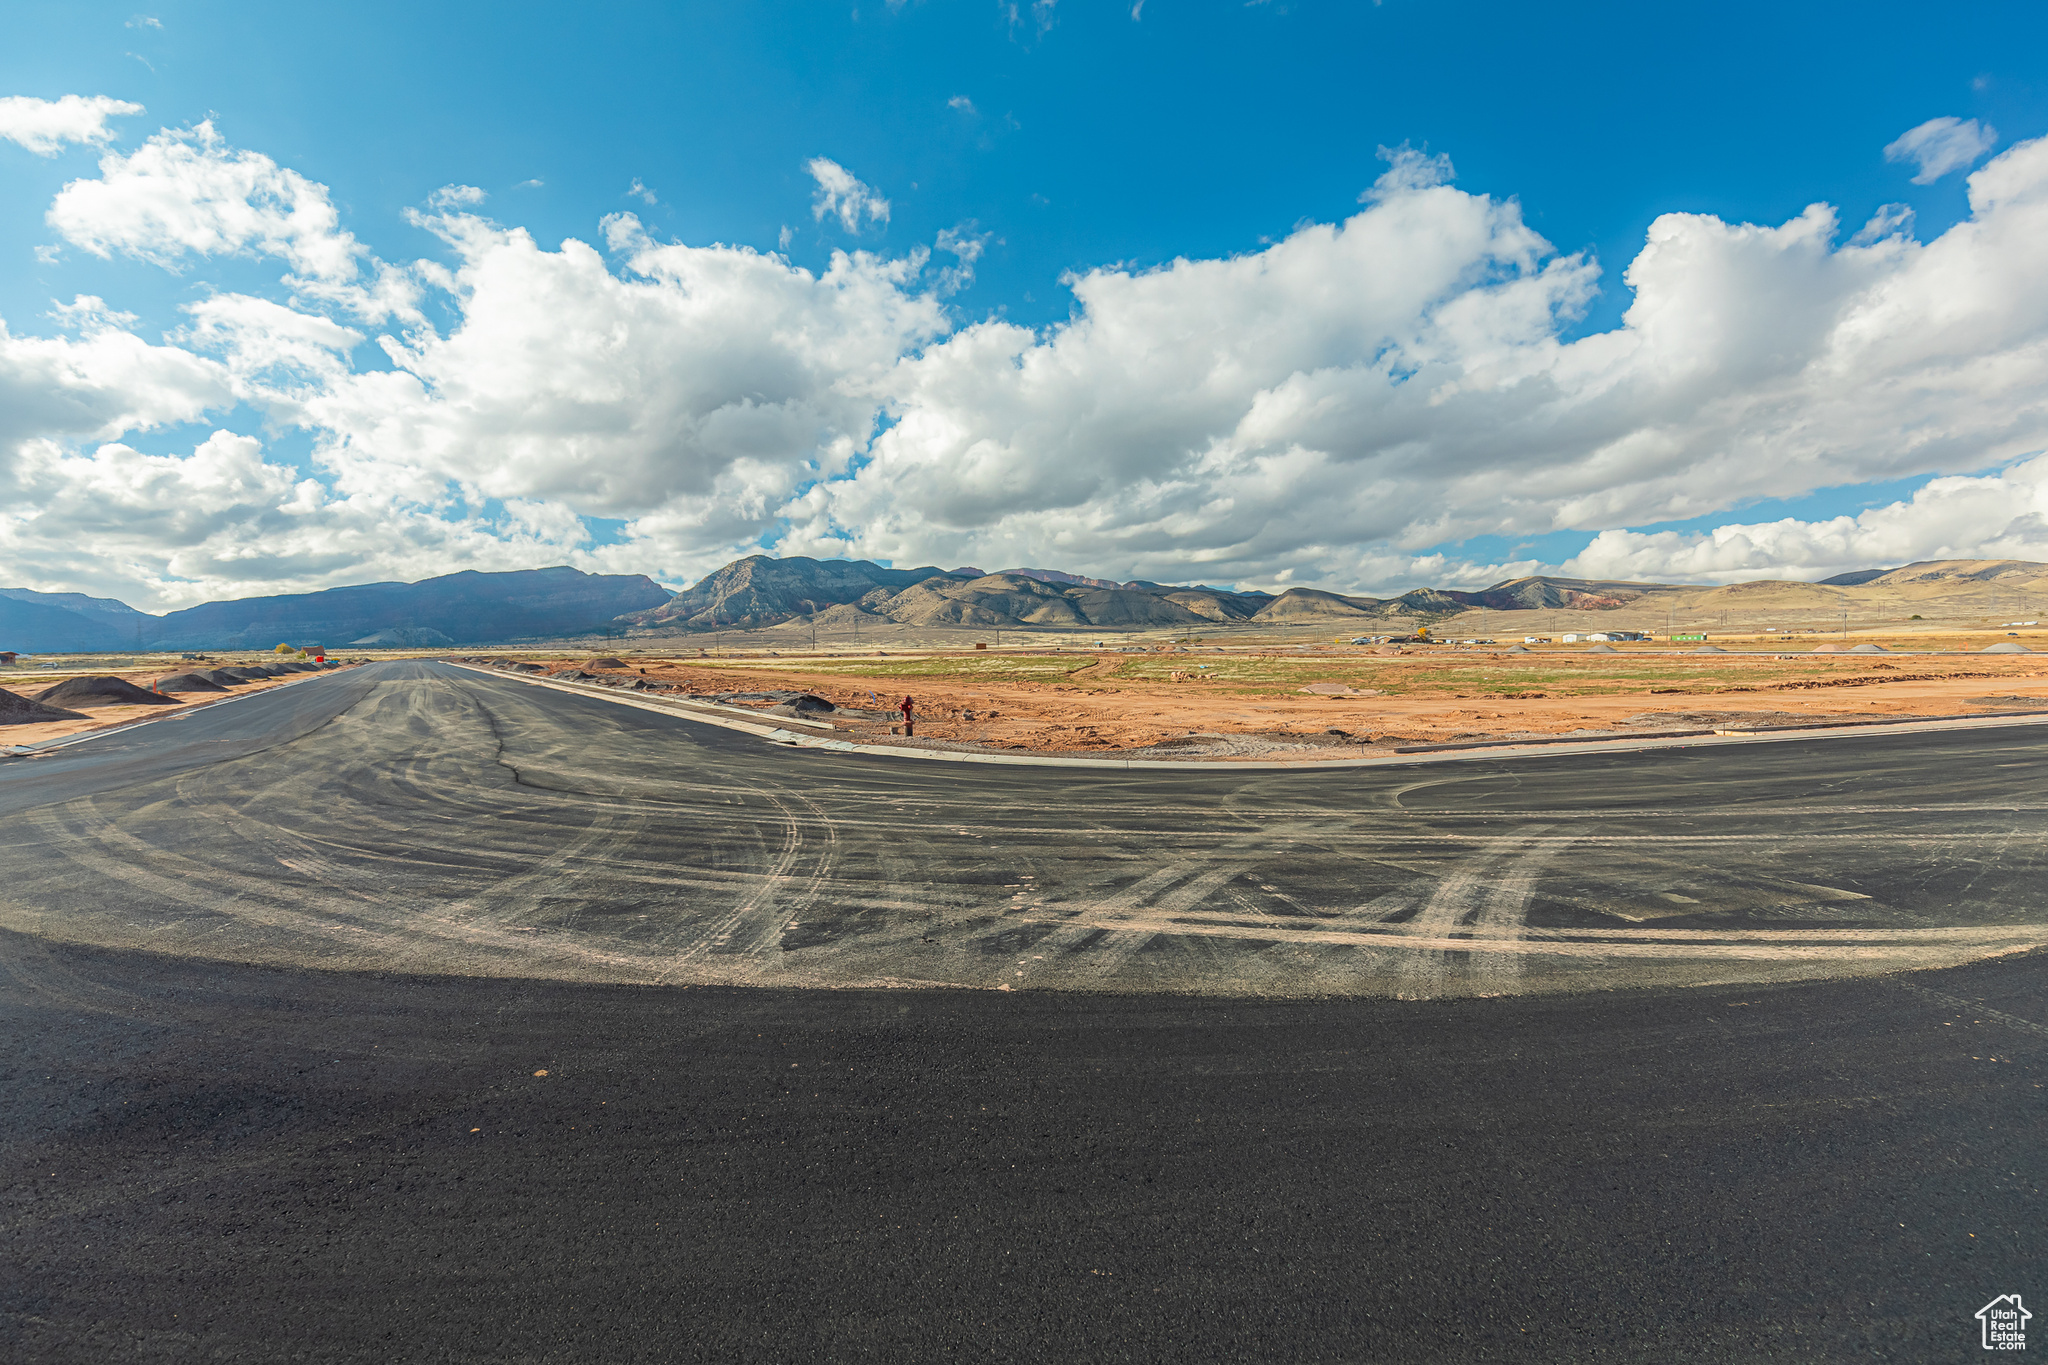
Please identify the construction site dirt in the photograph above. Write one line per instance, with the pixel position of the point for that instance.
(1327, 702)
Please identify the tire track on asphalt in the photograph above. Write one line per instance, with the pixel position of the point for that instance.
(1458, 899)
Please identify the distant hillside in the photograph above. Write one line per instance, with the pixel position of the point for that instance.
(462, 608)
(761, 590)
(32, 626)
(1984, 592)
(1988, 573)
(105, 608)
(1575, 594)
(1061, 576)
(466, 608)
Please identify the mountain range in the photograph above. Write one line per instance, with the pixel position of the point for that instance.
(459, 608)
(764, 591)
(760, 590)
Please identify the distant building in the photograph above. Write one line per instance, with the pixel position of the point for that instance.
(7, 658)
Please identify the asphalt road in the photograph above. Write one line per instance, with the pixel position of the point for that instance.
(278, 979)
(422, 817)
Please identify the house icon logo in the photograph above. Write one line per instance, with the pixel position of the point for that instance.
(2004, 1320)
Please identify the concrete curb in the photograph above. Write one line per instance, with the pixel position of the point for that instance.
(1507, 749)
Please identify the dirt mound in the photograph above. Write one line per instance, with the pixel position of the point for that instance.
(103, 690)
(18, 710)
(245, 674)
(779, 703)
(219, 676)
(1867, 648)
(188, 682)
(2005, 647)
(606, 662)
(1603, 649)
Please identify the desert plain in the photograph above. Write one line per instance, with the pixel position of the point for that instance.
(1270, 700)
(1274, 697)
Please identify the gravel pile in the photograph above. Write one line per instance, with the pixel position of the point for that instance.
(19, 710)
(188, 682)
(803, 704)
(103, 690)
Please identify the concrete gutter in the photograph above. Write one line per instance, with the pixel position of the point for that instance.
(1451, 753)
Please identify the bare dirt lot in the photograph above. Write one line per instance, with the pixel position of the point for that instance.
(27, 683)
(1330, 701)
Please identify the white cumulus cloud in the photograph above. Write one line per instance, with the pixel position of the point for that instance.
(1399, 381)
(103, 383)
(167, 531)
(1330, 409)
(842, 196)
(187, 193)
(45, 126)
(1941, 145)
(693, 390)
(1996, 516)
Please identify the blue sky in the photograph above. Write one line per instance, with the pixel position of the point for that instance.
(1196, 130)
(1066, 138)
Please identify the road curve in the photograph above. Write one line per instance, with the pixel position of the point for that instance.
(423, 818)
